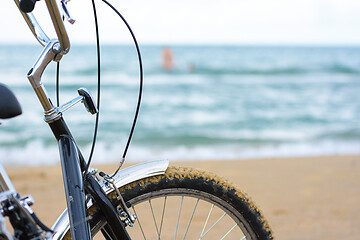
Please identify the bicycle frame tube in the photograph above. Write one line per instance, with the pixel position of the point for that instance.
(5, 183)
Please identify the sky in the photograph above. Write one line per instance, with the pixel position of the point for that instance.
(264, 22)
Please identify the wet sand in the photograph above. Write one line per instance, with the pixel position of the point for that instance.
(302, 198)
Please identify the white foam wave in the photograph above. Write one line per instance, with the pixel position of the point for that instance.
(36, 154)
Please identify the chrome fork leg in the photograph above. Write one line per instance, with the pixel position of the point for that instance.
(74, 188)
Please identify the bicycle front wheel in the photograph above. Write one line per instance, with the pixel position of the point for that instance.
(190, 204)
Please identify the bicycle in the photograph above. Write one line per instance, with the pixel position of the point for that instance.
(141, 201)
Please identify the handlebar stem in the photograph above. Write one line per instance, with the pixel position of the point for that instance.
(51, 52)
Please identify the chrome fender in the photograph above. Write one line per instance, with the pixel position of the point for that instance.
(123, 177)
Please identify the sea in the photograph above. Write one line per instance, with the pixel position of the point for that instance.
(217, 103)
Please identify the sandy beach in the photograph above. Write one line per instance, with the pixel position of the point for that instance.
(302, 198)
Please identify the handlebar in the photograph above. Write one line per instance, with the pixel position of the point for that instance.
(58, 24)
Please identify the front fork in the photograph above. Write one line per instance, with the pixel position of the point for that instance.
(74, 188)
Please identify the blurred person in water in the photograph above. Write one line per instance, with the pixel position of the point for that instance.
(167, 59)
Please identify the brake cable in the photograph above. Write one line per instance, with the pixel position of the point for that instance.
(98, 89)
(140, 86)
(57, 84)
(98, 83)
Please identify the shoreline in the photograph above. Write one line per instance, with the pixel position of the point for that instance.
(130, 162)
(301, 197)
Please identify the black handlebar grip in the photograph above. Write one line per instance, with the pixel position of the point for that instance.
(27, 5)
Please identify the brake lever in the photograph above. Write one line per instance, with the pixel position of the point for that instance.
(65, 11)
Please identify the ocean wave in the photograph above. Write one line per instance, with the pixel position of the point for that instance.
(208, 70)
(250, 71)
(271, 102)
(37, 154)
(274, 70)
(339, 68)
(346, 134)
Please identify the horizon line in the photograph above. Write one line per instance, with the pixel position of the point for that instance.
(196, 44)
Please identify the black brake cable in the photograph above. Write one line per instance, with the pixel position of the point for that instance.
(57, 84)
(140, 87)
(98, 100)
(98, 89)
(98, 83)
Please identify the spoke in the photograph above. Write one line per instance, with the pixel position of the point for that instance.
(229, 232)
(162, 217)
(138, 220)
(152, 211)
(187, 229)
(207, 219)
(213, 225)
(177, 225)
